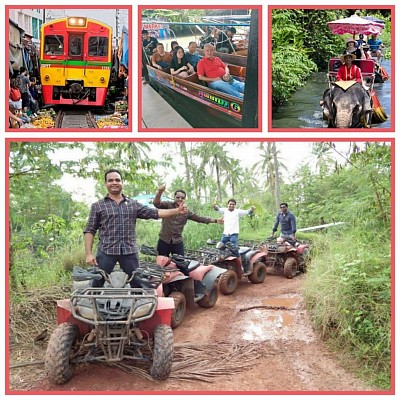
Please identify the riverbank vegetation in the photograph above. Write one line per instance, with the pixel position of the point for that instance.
(302, 43)
(348, 284)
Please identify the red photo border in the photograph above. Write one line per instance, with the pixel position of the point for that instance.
(7, 239)
(392, 78)
(173, 7)
(64, 7)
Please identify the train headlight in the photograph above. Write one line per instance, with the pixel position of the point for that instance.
(46, 77)
(102, 79)
(76, 21)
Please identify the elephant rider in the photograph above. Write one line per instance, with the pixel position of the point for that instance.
(348, 71)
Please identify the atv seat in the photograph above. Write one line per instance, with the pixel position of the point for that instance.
(244, 250)
(187, 264)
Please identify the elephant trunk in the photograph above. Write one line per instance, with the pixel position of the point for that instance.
(344, 119)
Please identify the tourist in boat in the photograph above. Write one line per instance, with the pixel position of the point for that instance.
(366, 51)
(351, 47)
(376, 45)
(212, 70)
(360, 40)
(224, 41)
(149, 43)
(192, 55)
(174, 45)
(179, 65)
(161, 59)
(348, 71)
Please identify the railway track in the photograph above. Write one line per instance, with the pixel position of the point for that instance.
(75, 119)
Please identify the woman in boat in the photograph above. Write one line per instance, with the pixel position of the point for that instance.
(351, 47)
(179, 65)
(174, 45)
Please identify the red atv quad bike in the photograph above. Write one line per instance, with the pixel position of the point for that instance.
(238, 262)
(112, 323)
(187, 281)
(286, 254)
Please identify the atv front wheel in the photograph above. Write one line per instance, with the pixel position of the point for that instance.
(209, 300)
(259, 273)
(162, 352)
(57, 362)
(290, 268)
(228, 282)
(180, 309)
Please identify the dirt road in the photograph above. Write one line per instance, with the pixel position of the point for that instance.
(270, 317)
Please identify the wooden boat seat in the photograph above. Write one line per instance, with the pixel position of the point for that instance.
(237, 71)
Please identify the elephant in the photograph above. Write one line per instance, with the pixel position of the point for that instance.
(347, 108)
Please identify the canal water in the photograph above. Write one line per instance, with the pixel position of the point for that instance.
(303, 109)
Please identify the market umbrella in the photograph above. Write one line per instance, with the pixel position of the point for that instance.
(355, 25)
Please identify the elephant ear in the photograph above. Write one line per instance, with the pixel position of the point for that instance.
(326, 104)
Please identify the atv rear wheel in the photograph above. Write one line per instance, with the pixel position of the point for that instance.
(209, 300)
(180, 309)
(57, 362)
(162, 352)
(290, 268)
(228, 282)
(259, 273)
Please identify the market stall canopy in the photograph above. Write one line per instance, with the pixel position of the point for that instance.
(355, 25)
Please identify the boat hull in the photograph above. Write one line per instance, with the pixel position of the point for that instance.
(224, 109)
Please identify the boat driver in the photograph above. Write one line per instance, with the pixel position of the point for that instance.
(149, 43)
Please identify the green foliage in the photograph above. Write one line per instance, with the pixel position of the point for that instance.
(348, 294)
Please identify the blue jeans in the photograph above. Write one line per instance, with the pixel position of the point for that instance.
(106, 262)
(234, 88)
(234, 239)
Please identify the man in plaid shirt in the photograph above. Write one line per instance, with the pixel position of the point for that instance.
(114, 217)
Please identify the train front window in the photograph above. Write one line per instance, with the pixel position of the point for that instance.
(54, 45)
(75, 46)
(98, 46)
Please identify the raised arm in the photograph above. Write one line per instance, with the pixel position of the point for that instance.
(157, 198)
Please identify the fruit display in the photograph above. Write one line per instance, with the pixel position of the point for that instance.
(112, 121)
(43, 122)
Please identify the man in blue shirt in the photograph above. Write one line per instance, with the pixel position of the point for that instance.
(287, 221)
(375, 46)
(192, 55)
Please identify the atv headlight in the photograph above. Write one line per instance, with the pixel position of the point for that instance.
(142, 309)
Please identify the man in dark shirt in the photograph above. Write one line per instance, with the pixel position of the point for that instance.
(171, 240)
(149, 43)
(287, 221)
(224, 42)
(114, 217)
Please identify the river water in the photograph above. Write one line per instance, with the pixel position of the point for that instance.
(303, 109)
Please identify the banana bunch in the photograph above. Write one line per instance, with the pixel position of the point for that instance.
(43, 122)
(102, 122)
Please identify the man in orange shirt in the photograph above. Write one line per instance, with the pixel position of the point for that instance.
(160, 59)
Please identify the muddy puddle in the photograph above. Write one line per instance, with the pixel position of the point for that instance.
(272, 318)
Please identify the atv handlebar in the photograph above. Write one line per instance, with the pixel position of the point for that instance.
(150, 251)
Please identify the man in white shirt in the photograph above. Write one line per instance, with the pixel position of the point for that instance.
(231, 221)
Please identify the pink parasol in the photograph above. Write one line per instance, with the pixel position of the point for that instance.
(355, 25)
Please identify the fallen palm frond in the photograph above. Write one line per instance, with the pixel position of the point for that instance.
(204, 362)
(35, 314)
